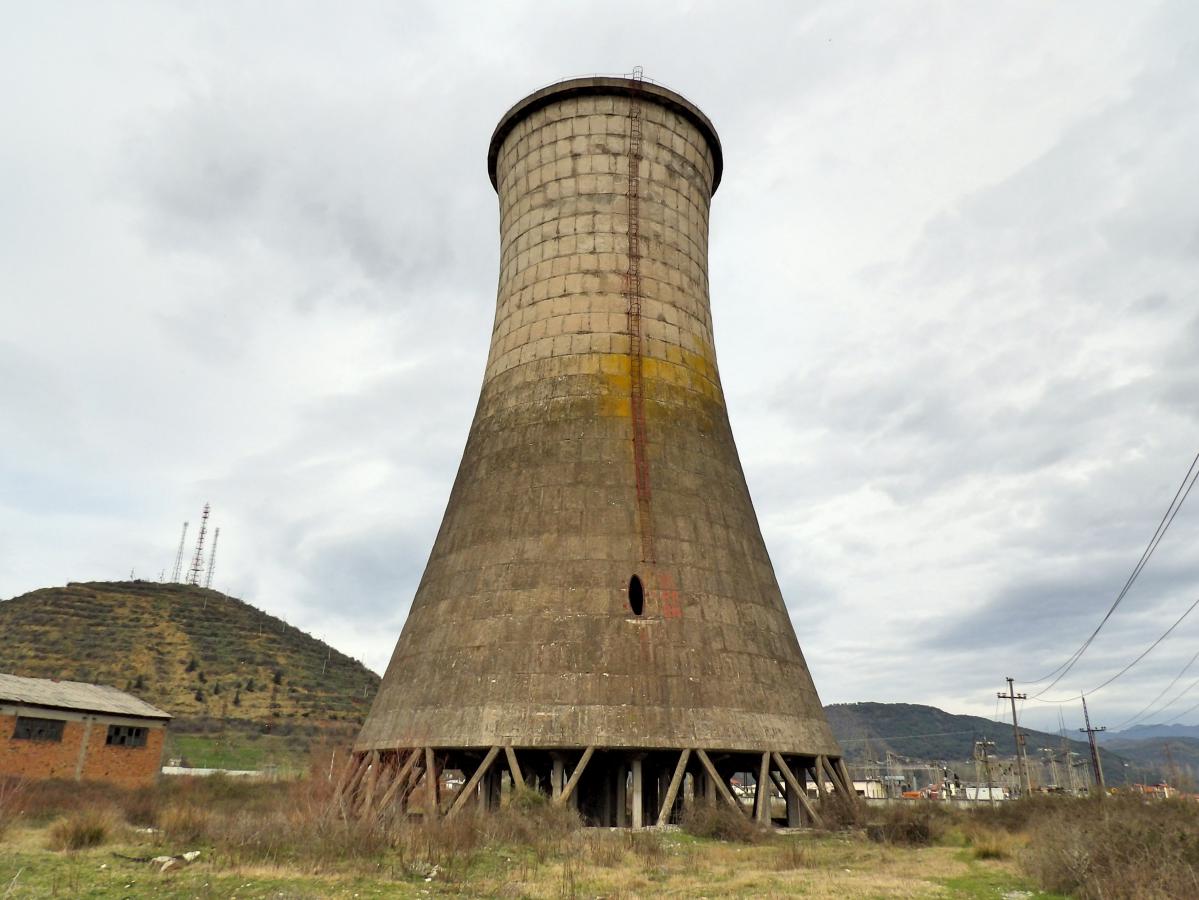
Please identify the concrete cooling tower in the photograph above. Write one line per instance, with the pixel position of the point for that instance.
(599, 617)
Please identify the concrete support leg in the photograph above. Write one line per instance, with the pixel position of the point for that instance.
(622, 799)
(489, 789)
(763, 791)
(557, 776)
(661, 789)
(638, 795)
(432, 786)
(606, 812)
(794, 810)
(650, 777)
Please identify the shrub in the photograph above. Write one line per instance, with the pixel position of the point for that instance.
(78, 831)
(185, 823)
(986, 842)
(1117, 849)
(839, 812)
(721, 822)
(43, 800)
(142, 806)
(914, 823)
(530, 819)
(1016, 815)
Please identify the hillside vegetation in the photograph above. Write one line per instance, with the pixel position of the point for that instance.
(199, 654)
(869, 730)
(1176, 759)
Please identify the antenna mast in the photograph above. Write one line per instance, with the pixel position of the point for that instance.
(197, 566)
(178, 570)
(216, 536)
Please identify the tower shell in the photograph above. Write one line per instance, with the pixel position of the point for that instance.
(599, 579)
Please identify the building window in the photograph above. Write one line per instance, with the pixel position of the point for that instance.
(126, 736)
(636, 596)
(31, 729)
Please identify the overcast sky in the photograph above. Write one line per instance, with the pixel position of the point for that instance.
(248, 255)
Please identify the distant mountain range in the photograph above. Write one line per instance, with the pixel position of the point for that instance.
(867, 732)
(870, 730)
(1142, 732)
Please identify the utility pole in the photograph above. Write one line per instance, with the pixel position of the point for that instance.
(1096, 765)
(1052, 761)
(1171, 770)
(1067, 753)
(1021, 762)
(983, 755)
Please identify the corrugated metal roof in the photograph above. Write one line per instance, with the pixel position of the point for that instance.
(76, 695)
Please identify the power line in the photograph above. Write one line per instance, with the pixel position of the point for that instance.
(1188, 710)
(1167, 519)
(1165, 690)
(1144, 653)
(899, 737)
(1186, 690)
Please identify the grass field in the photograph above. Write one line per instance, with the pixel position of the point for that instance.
(588, 864)
(237, 750)
(287, 840)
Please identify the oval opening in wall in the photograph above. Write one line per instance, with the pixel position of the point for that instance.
(636, 596)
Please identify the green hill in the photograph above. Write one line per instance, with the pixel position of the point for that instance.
(1174, 759)
(868, 731)
(208, 659)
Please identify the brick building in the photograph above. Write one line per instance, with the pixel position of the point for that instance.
(68, 729)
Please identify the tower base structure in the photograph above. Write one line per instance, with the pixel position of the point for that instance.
(609, 787)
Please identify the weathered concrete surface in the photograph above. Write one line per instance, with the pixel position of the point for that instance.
(521, 631)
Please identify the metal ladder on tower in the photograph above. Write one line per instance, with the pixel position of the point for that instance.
(634, 296)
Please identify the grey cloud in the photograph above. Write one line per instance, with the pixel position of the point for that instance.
(953, 268)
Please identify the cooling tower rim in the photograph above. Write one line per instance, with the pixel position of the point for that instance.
(605, 85)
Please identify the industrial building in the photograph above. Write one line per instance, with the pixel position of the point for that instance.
(86, 732)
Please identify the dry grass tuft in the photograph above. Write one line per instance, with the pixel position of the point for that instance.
(602, 848)
(80, 830)
(986, 842)
(646, 846)
(11, 791)
(185, 823)
(720, 822)
(917, 823)
(142, 806)
(792, 854)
